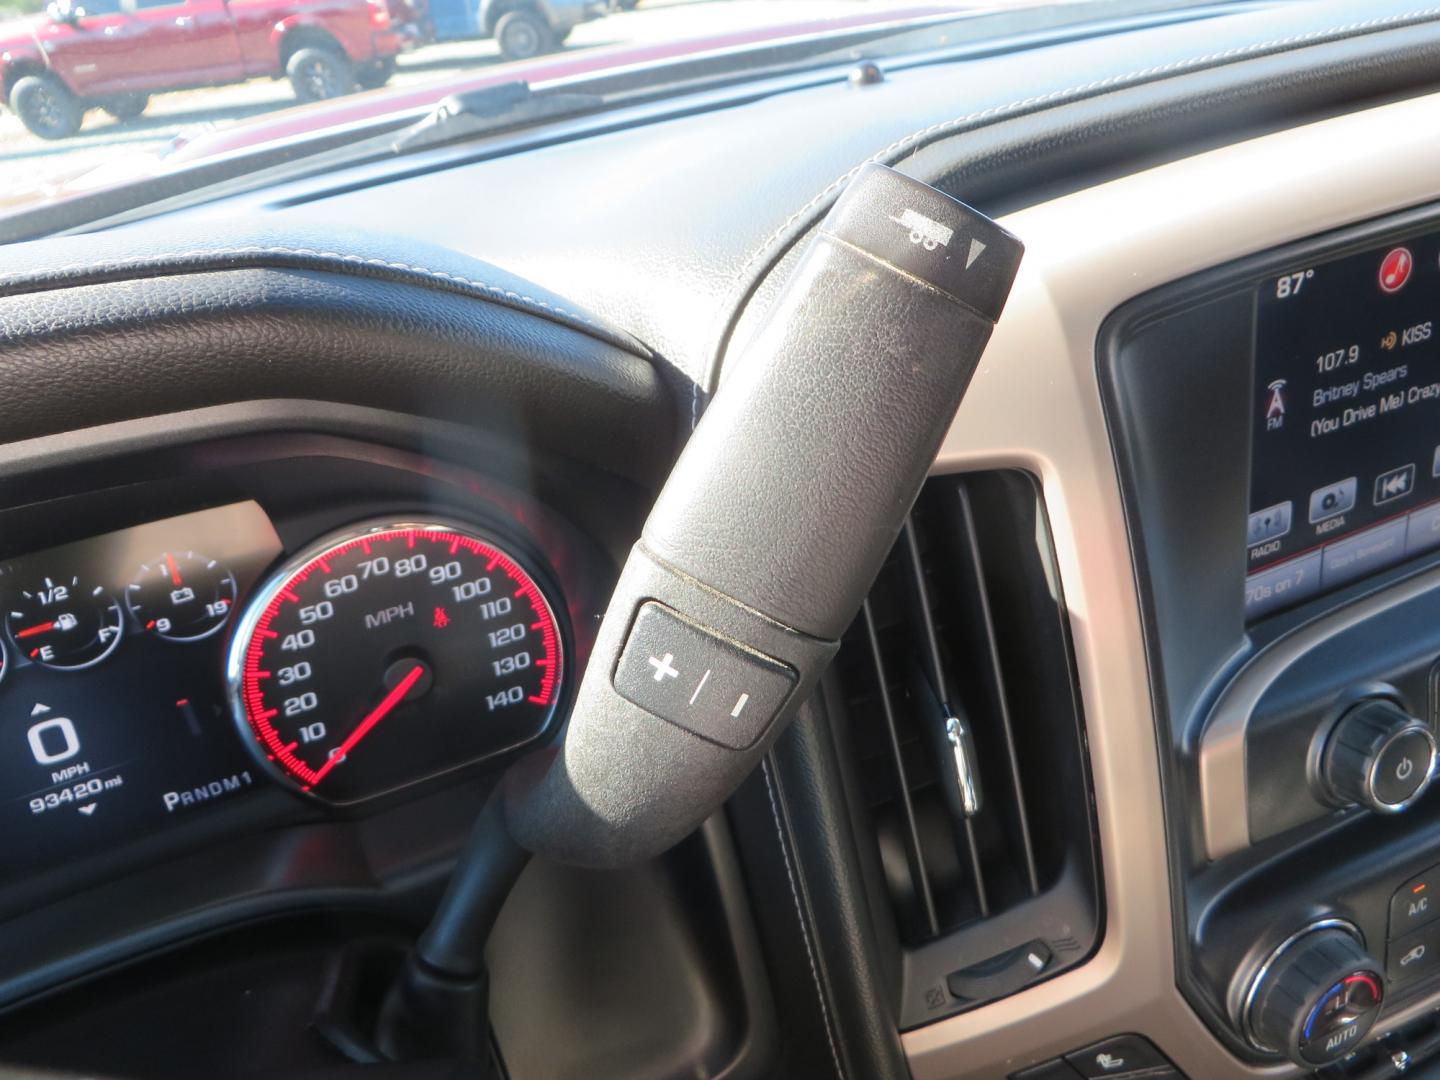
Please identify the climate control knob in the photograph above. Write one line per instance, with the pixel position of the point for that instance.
(1315, 998)
(1379, 756)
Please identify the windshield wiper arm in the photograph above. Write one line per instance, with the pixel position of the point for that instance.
(480, 112)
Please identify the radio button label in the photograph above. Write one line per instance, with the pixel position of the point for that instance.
(1269, 524)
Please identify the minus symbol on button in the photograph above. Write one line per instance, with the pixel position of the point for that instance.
(739, 705)
(703, 679)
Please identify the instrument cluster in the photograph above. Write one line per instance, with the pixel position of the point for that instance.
(150, 673)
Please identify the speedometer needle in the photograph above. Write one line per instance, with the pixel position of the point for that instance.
(376, 715)
(31, 631)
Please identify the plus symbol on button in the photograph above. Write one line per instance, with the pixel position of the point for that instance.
(663, 668)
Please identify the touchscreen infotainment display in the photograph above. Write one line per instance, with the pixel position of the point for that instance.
(1345, 469)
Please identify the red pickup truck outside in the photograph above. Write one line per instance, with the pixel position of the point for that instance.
(115, 53)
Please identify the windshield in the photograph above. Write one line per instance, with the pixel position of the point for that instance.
(105, 93)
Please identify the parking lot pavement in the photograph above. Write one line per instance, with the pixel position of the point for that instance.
(28, 163)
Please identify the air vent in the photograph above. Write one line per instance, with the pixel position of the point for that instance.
(965, 748)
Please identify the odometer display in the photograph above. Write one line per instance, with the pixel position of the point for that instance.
(390, 654)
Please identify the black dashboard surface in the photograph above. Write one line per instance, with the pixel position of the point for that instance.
(672, 257)
(563, 421)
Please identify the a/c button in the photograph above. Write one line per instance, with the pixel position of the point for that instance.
(1415, 903)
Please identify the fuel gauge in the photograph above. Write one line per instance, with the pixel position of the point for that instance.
(181, 597)
(67, 624)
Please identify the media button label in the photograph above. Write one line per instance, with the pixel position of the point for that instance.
(1332, 500)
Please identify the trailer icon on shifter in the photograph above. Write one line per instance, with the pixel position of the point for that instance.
(928, 234)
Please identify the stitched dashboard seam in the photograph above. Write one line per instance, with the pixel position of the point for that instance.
(731, 312)
(800, 915)
(39, 276)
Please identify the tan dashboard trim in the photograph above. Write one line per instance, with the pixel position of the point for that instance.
(1035, 404)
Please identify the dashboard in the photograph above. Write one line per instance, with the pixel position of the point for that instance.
(271, 637)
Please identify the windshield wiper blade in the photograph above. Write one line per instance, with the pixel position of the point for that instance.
(481, 112)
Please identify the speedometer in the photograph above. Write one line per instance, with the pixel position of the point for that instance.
(392, 653)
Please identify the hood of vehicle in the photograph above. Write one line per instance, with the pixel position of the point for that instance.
(24, 34)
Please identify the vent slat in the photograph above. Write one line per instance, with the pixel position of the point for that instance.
(991, 647)
(935, 666)
(982, 897)
(918, 870)
(959, 695)
(940, 695)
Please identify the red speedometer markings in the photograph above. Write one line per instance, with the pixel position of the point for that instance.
(305, 743)
(384, 709)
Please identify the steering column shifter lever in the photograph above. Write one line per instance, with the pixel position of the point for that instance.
(755, 558)
(773, 524)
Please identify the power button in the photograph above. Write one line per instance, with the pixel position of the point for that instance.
(1379, 756)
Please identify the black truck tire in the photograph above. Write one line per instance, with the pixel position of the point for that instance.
(46, 106)
(317, 73)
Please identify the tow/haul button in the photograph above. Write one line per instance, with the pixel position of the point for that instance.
(698, 680)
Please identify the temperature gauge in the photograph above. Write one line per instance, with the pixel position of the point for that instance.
(65, 625)
(182, 597)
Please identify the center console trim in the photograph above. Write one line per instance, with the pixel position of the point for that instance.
(1036, 404)
(1224, 789)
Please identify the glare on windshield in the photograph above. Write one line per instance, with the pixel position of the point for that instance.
(101, 92)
